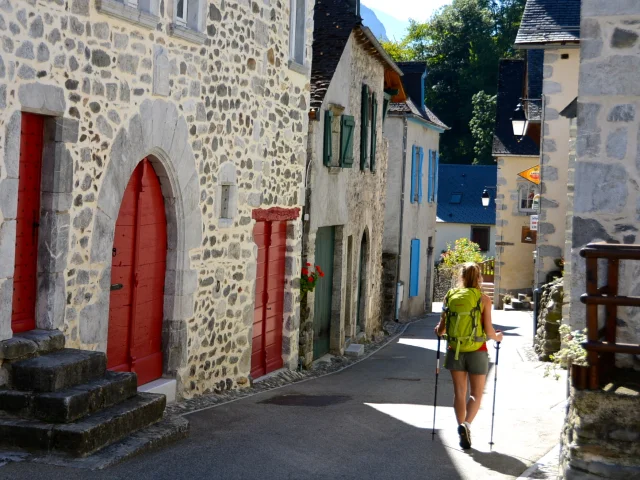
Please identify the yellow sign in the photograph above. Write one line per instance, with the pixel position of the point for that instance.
(532, 174)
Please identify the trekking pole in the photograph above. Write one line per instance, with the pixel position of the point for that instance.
(435, 396)
(495, 384)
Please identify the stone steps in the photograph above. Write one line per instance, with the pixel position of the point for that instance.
(85, 436)
(58, 370)
(71, 404)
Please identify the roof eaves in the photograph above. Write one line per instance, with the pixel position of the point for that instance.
(379, 48)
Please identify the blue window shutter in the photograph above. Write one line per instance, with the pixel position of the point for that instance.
(437, 175)
(414, 276)
(420, 176)
(413, 174)
(430, 193)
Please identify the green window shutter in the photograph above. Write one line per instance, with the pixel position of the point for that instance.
(374, 131)
(364, 127)
(327, 155)
(347, 125)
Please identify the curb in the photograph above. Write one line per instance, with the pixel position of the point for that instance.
(551, 457)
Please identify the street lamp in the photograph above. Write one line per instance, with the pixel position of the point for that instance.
(519, 122)
(486, 198)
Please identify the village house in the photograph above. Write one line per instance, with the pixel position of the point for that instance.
(554, 28)
(151, 179)
(600, 437)
(413, 133)
(516, 197)
(345, 186)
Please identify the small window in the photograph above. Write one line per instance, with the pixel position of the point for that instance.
(181, 12)
(456, 198)
(187, 13)
(225, 197)
(528, 198)
(480, 235)
(297, 37)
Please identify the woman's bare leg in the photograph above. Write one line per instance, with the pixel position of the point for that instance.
(460, 394)
(477, 389)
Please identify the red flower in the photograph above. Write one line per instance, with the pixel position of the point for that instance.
(308, 264)
(310, 279)
(318, 267)
(305, 271)
(321, 274)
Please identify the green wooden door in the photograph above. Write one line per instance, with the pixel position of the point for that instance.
(362, 279)
(322, 307)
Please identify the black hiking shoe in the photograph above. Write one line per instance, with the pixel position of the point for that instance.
(465, 436)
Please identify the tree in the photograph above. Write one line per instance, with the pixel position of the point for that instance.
(482, 126)
(462, 45)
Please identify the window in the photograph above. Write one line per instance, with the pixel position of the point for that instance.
(528, 198)
(364, 128)
(187, 13)
(414, 275)
(480, 235)
(432, 187)
(417, 165)
(456, 198)
(327, 154)
(347, 125)
(297, 40)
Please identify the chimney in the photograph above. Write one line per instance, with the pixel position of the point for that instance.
(354, 6)
(414, 76)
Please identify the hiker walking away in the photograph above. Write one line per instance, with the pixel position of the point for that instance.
(466, 320)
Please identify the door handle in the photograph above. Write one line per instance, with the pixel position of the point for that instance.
(117, 286)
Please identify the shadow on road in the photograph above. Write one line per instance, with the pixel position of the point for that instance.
(498, 462)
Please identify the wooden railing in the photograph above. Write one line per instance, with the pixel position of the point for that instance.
(601, 344)
(488, 269)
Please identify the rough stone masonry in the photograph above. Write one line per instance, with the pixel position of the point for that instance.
(210, 103)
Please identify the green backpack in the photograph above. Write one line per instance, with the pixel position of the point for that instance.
(463, 312)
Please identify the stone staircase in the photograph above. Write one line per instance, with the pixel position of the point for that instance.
(66, 402)
(488, 289)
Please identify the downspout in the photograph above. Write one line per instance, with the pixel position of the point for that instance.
(402, 183)
(536, 278)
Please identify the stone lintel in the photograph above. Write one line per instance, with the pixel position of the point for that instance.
(121, 11)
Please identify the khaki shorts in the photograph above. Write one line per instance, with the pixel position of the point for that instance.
(474, 363)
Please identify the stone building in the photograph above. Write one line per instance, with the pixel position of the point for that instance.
(515, 195)
(345, 189)
(413, 133)
(554, 28)
(600, 439)
(161, 147)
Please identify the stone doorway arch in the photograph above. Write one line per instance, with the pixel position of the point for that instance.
(160, 134)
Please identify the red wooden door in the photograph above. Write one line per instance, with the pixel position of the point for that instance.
(137, 278)
(26, 261)
(266, 354)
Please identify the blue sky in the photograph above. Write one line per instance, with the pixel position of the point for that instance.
(395, 14)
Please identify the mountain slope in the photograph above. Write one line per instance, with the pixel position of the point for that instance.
(370, 20)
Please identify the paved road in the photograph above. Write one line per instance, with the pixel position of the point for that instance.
(371, 421)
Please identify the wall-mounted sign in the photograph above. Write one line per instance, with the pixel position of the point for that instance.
(528, 235)
(533, 223)
(532, 174)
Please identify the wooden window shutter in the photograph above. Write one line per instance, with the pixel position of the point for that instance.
(364, 127)
(435, 196)
(414, 168)
(347, 126)
(414, 275)
(420, 173)
(430, 178)
(327, 154)
(374, 131)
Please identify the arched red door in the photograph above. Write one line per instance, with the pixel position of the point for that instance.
(137, 278)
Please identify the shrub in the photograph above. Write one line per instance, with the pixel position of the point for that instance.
(463, 250)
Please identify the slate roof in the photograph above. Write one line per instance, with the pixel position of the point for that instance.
(535, 66)
(334, 21)
(510, 90)
(549, 21)
(408, 107)
(470, 181)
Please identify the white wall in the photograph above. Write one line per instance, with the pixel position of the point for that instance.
(450, 232)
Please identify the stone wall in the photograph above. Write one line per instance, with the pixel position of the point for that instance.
(389, 269)
(547, 340)
(560, 88)
(601, 435)
(445, 280)
(209, 106)
(351, 200)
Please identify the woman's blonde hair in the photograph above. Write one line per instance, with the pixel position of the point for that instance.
(470, 275)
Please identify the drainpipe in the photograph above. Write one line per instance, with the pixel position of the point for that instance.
(399, 286)
(536, 265)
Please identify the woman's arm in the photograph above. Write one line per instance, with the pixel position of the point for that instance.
(441, 327)
(486, 320)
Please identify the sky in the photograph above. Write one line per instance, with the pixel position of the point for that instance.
(395, 14)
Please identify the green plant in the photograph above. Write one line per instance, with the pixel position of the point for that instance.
(309, 279)
(507, 299)
(463, 250)
(571, 353)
